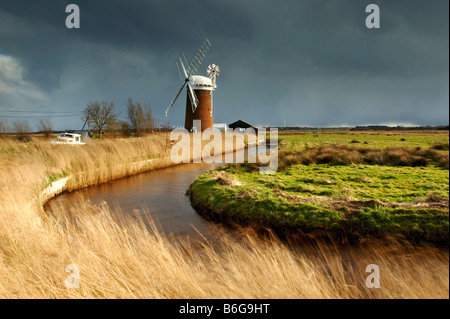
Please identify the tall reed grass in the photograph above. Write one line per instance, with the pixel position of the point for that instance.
(122, 258)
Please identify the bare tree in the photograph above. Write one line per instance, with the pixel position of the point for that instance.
(136, 117)
(119, 128)
(113, 127)
(140, 119)
(22, 128)
(4, 127)
(46, 127)
(131, 110)
(124, 128)
(149, 120)
(100, 114)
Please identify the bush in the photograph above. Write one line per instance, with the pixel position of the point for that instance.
(347, 155)
(439, 146)
(23, 129)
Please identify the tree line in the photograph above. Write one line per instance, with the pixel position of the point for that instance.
(100, 117)
(22, 128)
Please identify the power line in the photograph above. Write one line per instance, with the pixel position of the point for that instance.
(39, 116)
(49, 112)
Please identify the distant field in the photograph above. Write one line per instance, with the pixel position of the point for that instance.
(297, 140)
(350, 183)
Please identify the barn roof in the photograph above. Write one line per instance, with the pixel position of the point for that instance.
(241, 124)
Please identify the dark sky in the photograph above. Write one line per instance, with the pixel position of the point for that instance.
(307, 63)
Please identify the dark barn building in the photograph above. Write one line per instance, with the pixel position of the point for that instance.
(242, 125)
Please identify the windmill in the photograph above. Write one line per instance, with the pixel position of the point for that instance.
(199, 90)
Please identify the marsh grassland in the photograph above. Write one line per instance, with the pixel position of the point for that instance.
(389, 184)
(123, 258)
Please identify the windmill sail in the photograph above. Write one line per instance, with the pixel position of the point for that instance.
(196, 61)
(176, 97)
(193, 98)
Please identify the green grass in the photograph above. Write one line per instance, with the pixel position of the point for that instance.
(382, 140)
(362, 182)
(52, 177)
(353, 199)
(264, 199)
(417, 224)
(244, 203)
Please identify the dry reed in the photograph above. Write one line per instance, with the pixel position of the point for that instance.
(348, 154)
(125, 259)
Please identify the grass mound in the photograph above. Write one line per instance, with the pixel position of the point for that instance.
(350, 206)
(333, 182)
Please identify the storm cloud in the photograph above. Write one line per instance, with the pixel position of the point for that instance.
(308, 63)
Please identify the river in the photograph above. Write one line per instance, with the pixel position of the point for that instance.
(160, 193)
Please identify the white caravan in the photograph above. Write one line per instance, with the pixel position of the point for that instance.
(68, 138)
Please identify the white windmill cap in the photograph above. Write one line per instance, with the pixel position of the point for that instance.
(200, 82)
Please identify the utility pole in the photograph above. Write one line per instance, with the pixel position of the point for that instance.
(89, 126)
